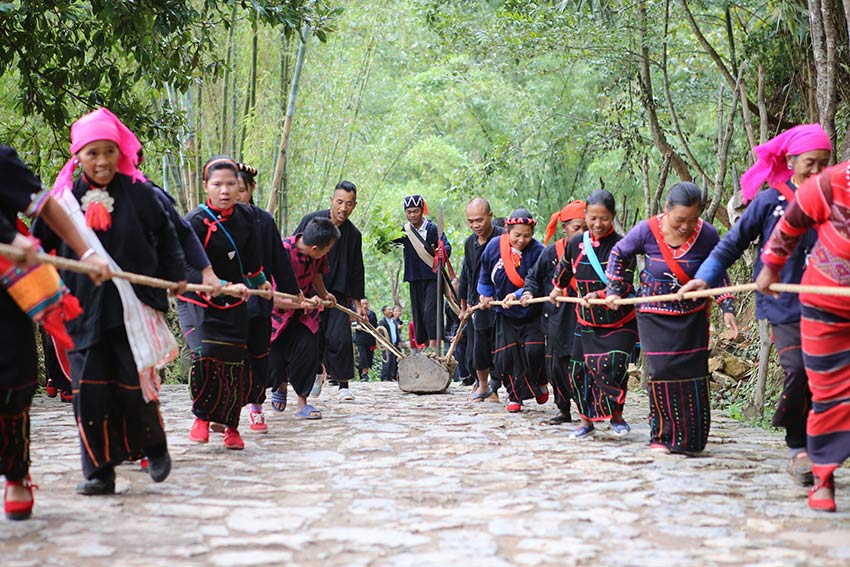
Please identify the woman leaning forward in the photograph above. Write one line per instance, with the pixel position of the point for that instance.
(674, 334)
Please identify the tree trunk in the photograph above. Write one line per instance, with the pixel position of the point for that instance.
(762, 110)
(764, 359)
(745, 110)
(251, 99)
(718, 61)
(822, 28)
(200, 197)
(674, 115)
(228, 72)
(724, 139)
(648, 100)
(287, 123)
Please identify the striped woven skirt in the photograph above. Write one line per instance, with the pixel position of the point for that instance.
(826, 354)
(598, 373)
(219, 380)
(676, 351)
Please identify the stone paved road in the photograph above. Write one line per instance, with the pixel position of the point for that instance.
(398, 480)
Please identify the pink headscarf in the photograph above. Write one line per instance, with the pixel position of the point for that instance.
(101, 125)
(771, 165)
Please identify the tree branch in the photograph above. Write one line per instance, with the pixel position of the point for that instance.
(712, 53)
(658, 136)
(674, 116)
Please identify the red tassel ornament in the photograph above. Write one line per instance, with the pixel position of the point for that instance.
(98, 204)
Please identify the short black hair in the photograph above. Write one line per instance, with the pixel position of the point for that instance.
(685, 194)
(385, 307)
(320, 232)
(604, 198)
(346, 186)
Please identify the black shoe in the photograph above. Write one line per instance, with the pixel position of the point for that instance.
(100, 485)
(468, 381)
(561, 418)
(159, 467)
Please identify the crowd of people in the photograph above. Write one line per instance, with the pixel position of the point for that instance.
(108, 336)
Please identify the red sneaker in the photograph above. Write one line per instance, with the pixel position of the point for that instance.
(143, 462)
(50, 389)
(258, 422)
(514, 407)
(232, 439)
(19, 510)
(66, 396)
(200, 432)
(542, 398)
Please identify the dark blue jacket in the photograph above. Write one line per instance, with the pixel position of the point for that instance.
(493, 281)
(414, 268)
(757, 223)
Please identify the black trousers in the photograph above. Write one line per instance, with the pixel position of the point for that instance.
(295, 359)
(337, 346)
(18, 382)
(115, 423)
(423, 306)
(794, 403)
(481, 333)
(365, 357)
(259, 333)
(389, 367)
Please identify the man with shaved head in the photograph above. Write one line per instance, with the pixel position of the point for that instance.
(479, 347)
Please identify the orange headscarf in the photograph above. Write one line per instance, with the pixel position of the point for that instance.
(574, 210)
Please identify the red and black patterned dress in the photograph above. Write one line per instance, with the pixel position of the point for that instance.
(822, 202)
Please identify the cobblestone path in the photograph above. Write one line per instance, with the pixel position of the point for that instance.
(399, 480)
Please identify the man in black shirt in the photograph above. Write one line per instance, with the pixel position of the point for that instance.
(479, 346)
(346, 280)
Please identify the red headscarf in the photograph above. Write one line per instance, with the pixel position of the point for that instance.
(574, 210)
(771, 164)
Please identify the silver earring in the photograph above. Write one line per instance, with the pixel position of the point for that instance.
(790, 166)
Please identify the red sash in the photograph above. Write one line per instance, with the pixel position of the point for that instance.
(508, 261)
(560, 247)
(560, 250)
(786, 192)
(666, 252)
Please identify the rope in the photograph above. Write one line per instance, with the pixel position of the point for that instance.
(16, 255)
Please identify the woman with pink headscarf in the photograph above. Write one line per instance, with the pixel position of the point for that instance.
(121, 337)
(784, 163)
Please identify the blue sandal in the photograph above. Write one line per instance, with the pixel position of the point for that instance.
(583, 432)
(308, 412)
(279, 399)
